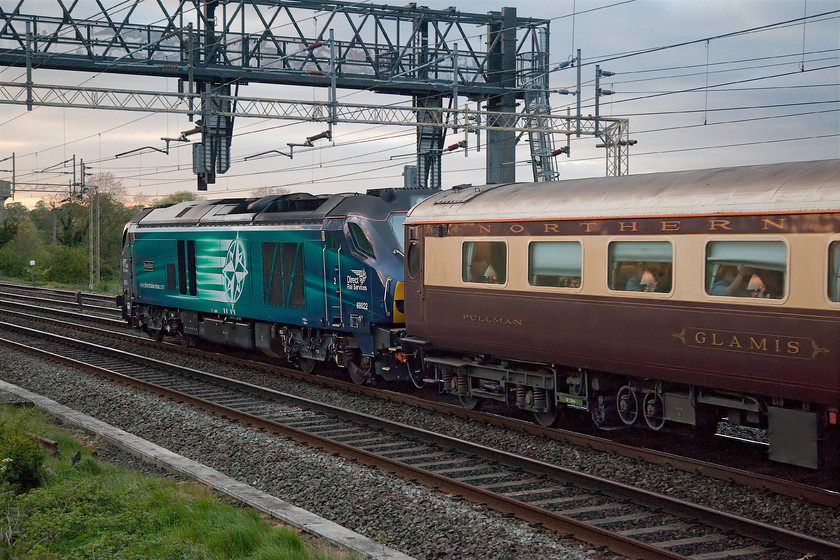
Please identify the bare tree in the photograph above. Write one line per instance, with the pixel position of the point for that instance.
(269, 191)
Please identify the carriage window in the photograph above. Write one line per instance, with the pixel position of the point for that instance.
(554, 263)
(834, 271)
(484, 262)
(640, 266)
(413, 260)
(746, 269)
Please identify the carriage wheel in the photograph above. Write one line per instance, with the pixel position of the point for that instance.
(547, 419)
(654, 410)
(628, 405)
(470, 403)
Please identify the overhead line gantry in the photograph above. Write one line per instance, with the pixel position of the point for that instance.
(213, 46)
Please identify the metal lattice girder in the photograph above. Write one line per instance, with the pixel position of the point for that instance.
(616, 137)
(429, 142)
(402, 50)
(317, 111)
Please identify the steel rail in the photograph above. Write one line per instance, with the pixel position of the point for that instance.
(69, 293)
(72, 314)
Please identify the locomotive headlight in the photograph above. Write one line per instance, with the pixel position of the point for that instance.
(399, 303)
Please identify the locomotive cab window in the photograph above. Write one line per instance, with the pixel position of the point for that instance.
(746, 269)
(360, 240)
(554, 263)
(397, 221)
(640, 266)
(834, 271)
(484, 262)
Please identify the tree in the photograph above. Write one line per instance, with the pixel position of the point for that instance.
(106, 183)
(45, 217)
(269, 191)
(113, 217)
(67, 265)
(72, 224)
(15, 214)
(175, 198)
(56, 233)
(26, 245)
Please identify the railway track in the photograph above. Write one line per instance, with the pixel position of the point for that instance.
(782, 486)
(628, 521)
(93, 304)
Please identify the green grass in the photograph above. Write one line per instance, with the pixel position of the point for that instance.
(105, 287)
(92, 510)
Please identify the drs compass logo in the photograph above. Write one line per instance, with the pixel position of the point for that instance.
(235, 270)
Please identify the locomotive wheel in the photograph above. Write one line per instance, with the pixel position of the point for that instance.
(547, 419)
(470, 403)
(155, 334)
(358, 367)
(306, 365)
(187, 341)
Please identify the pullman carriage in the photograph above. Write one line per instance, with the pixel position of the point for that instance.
(644, 300)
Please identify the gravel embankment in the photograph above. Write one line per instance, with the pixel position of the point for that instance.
(403, 515)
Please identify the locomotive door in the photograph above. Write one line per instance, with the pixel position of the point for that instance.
(331, 256)
(127, 273)
(129, 291)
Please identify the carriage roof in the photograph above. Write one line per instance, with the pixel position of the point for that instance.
(776, 188)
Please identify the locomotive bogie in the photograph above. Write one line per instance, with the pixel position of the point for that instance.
(673, 298)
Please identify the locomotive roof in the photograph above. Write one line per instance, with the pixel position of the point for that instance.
(785, 187)
(297, 208)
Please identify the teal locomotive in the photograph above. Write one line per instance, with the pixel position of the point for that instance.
(311, 279)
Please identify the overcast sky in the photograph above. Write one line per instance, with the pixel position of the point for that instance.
(771, 95)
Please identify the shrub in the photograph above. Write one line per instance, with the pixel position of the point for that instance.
(21, 458)
(67, 265)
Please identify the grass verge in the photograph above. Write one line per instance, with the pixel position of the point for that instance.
(84, 509)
